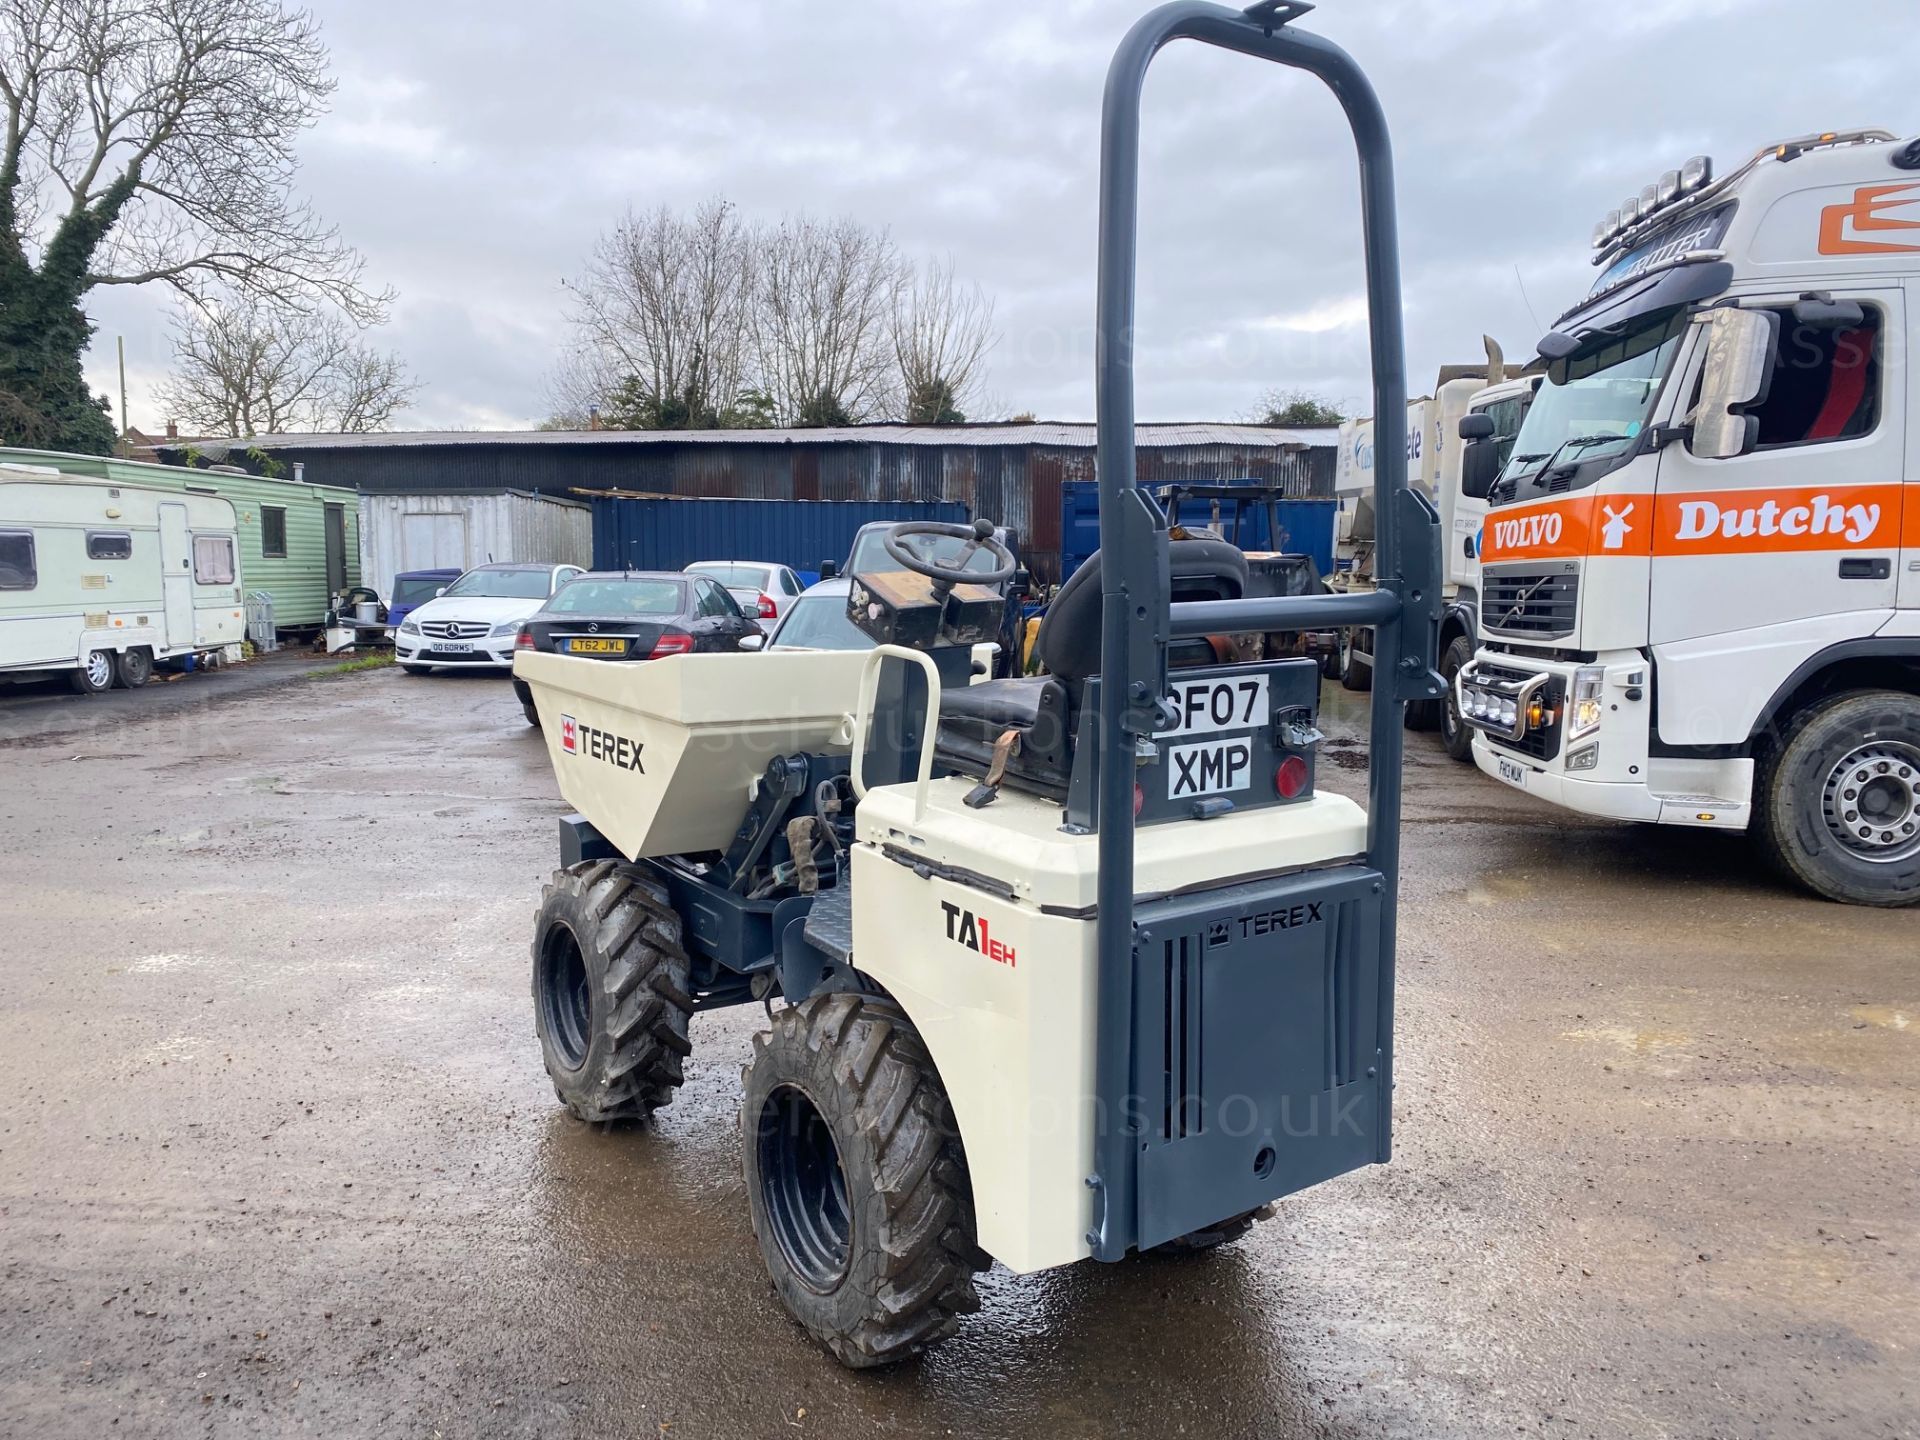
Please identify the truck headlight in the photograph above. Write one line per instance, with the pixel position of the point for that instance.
(1583, 709)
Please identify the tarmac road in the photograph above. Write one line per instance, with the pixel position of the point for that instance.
(277, 1154)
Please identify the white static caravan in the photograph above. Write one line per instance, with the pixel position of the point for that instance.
(101, 580)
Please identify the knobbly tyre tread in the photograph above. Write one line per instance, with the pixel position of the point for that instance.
(630, 940)
(914, 1253)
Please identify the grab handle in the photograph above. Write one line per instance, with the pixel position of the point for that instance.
(863, 719)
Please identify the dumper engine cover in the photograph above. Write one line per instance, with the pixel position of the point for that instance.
(898, 607)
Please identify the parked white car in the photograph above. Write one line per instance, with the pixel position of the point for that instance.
(475, 620)
(763, 592)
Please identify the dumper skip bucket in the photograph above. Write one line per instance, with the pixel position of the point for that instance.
(660, 755)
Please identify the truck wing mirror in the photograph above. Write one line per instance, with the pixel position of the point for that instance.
(1823, 312)
(1477, 426)
(1557, 346)
(1738, 374)
(1479, 465)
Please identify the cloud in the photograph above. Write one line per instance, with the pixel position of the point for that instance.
(474, 155)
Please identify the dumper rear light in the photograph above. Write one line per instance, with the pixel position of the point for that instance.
(671, 644)
(768, 610)
(1290, 779)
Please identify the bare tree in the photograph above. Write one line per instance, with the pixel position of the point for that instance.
(244, 368)
(661, 317)
(941, 333)
(823, 302)
(151, 141)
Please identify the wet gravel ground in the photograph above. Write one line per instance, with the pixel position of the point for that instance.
(277, 1154)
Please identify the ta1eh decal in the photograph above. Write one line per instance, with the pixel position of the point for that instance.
(972, 931)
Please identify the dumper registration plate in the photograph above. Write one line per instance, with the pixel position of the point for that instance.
(1214, 708)
(600, 646)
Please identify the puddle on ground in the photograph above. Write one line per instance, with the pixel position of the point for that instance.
(1629, 1040)
(1884, 1016)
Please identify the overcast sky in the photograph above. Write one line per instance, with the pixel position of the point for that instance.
(475, 151)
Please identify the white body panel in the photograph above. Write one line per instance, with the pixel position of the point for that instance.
(399, 533)
(79, 602)
(1010, 1023)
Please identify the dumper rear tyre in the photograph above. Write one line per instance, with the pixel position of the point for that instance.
(857, 1181)
(1837, 799)
(611, 998)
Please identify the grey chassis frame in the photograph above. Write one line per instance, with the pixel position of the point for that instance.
(1138, 618)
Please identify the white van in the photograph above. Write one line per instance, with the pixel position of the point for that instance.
(101, 580)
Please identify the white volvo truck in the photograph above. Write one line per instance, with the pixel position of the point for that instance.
(1434, 451)
(1701, 575)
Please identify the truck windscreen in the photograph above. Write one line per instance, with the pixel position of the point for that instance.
(1594, 405)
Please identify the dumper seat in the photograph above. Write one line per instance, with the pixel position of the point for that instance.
(1044, 710)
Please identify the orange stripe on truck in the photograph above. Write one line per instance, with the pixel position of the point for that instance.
(1718, 522)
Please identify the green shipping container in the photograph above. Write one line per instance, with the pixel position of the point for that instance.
(299, 542)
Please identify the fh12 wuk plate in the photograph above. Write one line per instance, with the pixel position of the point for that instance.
(1223, 763)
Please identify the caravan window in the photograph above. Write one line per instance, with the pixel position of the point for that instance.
(109, 545)
(273, 532)
(17, 571)
(212, 560)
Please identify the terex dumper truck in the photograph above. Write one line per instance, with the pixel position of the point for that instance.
(1701, 575)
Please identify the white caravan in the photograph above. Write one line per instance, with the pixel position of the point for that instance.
(101, 580)
(1701, 595)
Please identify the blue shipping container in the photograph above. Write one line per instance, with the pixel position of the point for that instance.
(672, 534)
(1306, 526)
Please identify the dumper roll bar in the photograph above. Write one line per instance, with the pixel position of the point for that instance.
(1138, 618)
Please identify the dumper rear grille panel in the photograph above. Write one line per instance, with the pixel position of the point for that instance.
(1259, 1060)
(1539, 603)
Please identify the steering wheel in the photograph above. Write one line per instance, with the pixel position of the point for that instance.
(978, 535)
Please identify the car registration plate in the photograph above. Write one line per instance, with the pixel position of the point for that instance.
(597, 647)
(454, 647)
(1511, 773)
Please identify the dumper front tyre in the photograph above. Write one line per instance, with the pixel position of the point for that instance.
(611, 998)
(857, 1180)
(1837, 798)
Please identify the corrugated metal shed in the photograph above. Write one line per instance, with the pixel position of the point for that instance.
(1011, 474)
(657, 534)
(297, 579)
(1040, 432)
(458, 529)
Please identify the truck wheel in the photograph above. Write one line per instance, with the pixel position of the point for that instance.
(1353, 675)
(857, 1181)
(133, 668)
(95, 673)
(610, 991)
(1455, 733)
(1838, 804)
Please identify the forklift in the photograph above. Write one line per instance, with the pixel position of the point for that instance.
(1063, 967)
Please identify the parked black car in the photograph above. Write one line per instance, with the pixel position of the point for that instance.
(633, 615)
